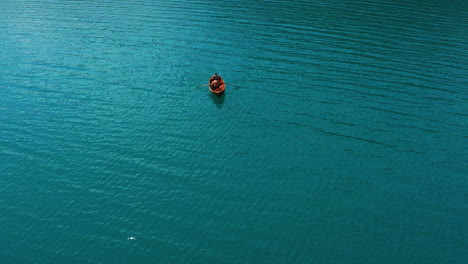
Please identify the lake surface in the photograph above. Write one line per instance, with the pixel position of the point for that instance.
(342, 136)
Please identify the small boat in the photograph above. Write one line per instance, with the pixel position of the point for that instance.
(218, 91)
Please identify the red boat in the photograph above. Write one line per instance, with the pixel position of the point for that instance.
(219, 90)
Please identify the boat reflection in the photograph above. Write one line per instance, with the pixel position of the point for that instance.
(218, 101)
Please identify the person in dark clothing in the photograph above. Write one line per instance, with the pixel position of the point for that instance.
(215, 77)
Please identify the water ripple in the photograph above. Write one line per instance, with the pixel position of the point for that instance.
(344, 123)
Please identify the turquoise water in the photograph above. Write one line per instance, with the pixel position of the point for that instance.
(344, 139)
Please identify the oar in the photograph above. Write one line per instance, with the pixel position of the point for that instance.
(232, 84)
(203, 85)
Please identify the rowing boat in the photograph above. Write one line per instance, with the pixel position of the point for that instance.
(218, 91)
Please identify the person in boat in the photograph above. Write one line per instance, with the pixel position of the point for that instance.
(215, 84)
(215, 77)
(215, 81)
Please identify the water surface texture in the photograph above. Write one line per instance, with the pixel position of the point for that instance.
(344, 139)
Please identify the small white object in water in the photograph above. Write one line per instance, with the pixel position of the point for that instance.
(131, 238)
